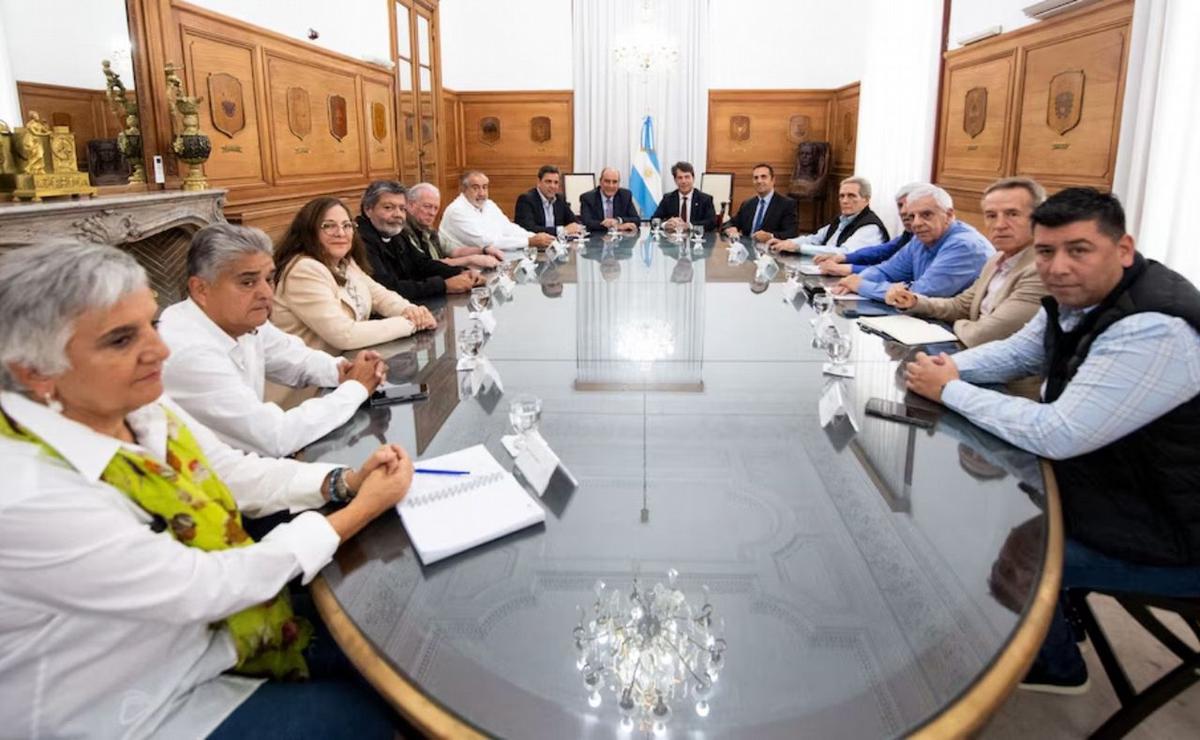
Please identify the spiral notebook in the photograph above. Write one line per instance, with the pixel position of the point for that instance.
(446, 515)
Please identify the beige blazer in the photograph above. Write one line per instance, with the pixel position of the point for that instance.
(1020, 298)
(334, 318)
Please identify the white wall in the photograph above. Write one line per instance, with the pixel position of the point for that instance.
(508, 45)
(969, 17)
(356, 28)
(42, 48)
(747, 51)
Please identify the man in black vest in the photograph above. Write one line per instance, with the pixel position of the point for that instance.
(686, 204)
(609, 205)
(396, 264)
(855, 226)
(1118, 341)
(542, 208)
(766, 216)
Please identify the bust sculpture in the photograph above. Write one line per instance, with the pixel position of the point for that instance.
(812, 170)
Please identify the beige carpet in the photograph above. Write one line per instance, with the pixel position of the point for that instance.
(1028, 715)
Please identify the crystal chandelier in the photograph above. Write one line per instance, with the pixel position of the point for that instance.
(651, 652)
(646, 50)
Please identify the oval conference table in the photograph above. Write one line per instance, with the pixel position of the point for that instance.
(869, 578)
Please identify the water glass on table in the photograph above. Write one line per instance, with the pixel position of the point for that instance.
(470, 341)
(481, 299)
(523, 414)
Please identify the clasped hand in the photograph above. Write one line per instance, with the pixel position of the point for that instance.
(928, 376)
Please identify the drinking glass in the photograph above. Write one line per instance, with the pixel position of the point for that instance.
(822, 303)
(656, 227)
(481, 299)
(523, 414)
(531, 253)
(697, 232)
(612, 228)
(470, 341)
(561, 233)
(838, 345)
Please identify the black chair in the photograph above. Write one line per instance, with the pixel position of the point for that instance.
(1138, 705)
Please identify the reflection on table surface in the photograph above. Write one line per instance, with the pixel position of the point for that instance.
(852, 569)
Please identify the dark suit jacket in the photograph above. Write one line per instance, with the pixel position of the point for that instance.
(400, 266)
(591, 208)
(531, 217)
(701, 204)
(779, 219)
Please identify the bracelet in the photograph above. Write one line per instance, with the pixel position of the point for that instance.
(338, 491)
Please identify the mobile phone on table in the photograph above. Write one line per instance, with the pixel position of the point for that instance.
(398, 393)
(901, 412)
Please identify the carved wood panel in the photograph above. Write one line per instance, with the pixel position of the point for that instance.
(1073, 87)
(322, 152)
(381, 127)
(975, 128)
(236, 158)
(844, 136)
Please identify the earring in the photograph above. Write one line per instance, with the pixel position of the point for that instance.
(52, 403)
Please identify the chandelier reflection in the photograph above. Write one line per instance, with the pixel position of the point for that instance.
(645, 341)
(651, 652)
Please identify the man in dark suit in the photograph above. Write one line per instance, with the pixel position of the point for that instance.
(768, 215)
(609, 205)
(686, 204)
(542, 209)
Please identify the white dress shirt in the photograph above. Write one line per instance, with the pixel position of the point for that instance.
(866, 236)
(105, 624)
(464, 225)
(220, 381)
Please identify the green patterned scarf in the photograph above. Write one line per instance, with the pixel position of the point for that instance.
(200, 512)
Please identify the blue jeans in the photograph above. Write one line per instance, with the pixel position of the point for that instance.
(334, 703)
(1084, 567)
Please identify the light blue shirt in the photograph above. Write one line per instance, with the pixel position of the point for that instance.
(1138, 369)
(945, 268)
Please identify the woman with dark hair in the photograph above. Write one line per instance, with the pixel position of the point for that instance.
(323, 292)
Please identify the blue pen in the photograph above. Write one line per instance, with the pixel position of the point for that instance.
(433, 471)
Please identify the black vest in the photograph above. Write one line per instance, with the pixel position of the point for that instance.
(865, 217)
(1138, 498)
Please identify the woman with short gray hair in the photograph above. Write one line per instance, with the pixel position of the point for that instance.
(130, 585)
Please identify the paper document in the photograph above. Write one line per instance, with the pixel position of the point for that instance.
(445, 515)
(850, 297)
(808, 269)
(908, 329)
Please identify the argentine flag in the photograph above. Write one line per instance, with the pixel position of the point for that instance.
(645, 176)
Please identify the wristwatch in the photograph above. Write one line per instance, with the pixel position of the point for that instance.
(339, 491)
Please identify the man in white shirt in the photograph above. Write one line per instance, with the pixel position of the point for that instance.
(223, 349)
(473, 219)
(855, 226)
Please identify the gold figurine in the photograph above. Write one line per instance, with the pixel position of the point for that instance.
(24, 171)
(190, 145)
(129, 141)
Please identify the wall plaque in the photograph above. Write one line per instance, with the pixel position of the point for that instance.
(798, 128)
(299, 112)
(975, 111)
(379, 127)
(739, 128)
(1065, 106)
(225, 103)
(489, 130)
(539, 129)
(338, 120)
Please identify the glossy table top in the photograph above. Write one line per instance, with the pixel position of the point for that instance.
(851, 568)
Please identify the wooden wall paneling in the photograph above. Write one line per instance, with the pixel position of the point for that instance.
(512, 153)
(451, 143)
(1071, 108)
(1021, 132)
(844, 127)
(330, 147)
(975, 132)
(237, 156)
(746, 127)
(84, 110)
(380, 123)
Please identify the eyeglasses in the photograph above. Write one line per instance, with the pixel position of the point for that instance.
(333, 227)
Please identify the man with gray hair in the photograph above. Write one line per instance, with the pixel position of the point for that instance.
(424, 203)
(945, 256)
(395, 264)
(839, 264)
(855, 226)
(223, 349)
(474, 219)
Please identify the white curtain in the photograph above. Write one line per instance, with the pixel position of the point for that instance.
(898, 101)
(610, 103)
(10, 107)
(1158, 159)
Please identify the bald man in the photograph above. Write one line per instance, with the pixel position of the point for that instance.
(601, 208)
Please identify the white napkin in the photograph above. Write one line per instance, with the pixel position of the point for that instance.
(486, 319)
(791, 289)
(505, 285)
(833, 404)
(558, 251)
(737, 253)
(845, 371)
(526, 269)
(766, 269)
